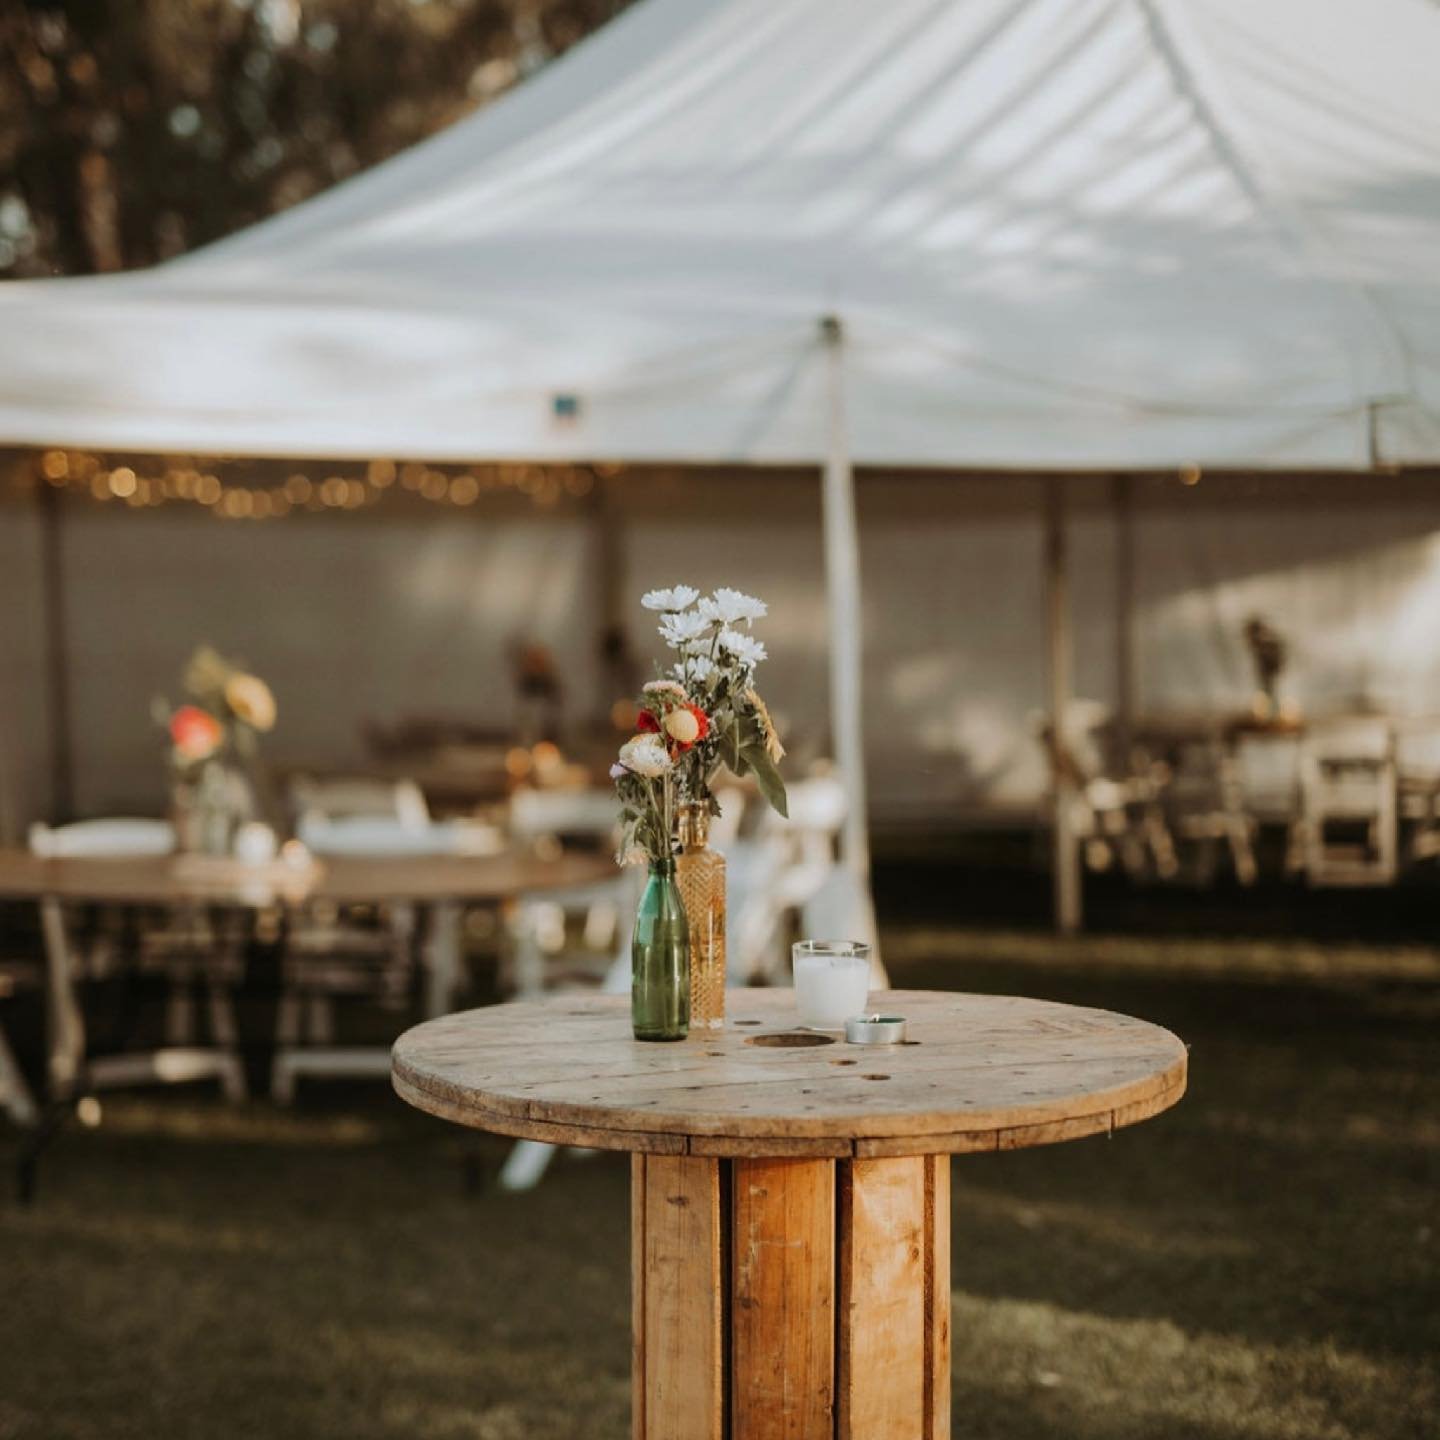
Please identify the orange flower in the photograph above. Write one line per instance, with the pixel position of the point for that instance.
(687, 725)
(251, 701)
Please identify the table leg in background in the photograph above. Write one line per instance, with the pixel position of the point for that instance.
(15, 1097)
(791, 1299)
(443, 958)
(66, 1024)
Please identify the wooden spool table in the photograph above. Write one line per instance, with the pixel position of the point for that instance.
(790, 1203)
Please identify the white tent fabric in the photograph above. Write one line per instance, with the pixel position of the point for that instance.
(1068, 233)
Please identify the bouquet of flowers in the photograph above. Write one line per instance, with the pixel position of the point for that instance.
(704, 714)
(229, 709)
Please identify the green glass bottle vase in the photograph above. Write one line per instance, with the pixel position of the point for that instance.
(660, 959)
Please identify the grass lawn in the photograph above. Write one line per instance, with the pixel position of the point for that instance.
(1263, 1261)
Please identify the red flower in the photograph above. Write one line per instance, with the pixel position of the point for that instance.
(196, 733)
(647, 724)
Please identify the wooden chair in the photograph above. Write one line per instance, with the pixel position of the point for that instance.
(1204, 809)
(1118, 785)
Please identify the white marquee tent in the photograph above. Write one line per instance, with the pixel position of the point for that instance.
(1032, 234)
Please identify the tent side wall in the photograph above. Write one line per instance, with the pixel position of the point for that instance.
(345, 613)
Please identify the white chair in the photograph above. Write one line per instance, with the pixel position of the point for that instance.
(331, 954)
(387, 835)
(16, 1098)
(541, 925)
(790, 867)
(359, 797)
(1417, 777)
(1348, 782)
(115, 838)
(188, 949)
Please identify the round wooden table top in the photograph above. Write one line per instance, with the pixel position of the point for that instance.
(977, 1072)
(340, 879)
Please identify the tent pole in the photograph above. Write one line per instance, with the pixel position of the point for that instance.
(842, 576)
(1124, 501)
(1065, 864)
(57, 660)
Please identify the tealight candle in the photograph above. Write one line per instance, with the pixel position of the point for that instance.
(875, 1029)
(832, 981)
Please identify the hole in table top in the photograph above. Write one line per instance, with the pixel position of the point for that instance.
(844, 1062)
(791, 1040)
(745, 1022)
(874, 1077)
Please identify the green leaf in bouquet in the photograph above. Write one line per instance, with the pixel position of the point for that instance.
(767, 777)
(730, 748)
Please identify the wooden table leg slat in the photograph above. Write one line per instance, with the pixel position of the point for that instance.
(637, 1297)
(681, 1319)
(882, 1387)
(782, 1300)
(937, 1297)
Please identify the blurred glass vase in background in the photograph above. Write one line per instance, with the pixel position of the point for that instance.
(208, 805)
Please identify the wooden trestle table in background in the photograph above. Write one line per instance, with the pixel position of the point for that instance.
(790, 1204)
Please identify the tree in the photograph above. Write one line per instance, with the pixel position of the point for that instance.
(132, 130)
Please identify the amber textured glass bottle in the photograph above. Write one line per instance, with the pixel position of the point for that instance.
(700, 873)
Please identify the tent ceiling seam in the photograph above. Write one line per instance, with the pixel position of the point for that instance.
(1289, 220)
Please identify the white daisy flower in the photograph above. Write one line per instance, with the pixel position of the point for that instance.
(684, 629)
(678, 597)
(698, 668)
(645, 755)
(745, 648)
(730, 606)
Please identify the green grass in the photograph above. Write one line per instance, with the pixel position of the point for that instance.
(1264, 1261)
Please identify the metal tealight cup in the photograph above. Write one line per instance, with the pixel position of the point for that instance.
(875, 1029)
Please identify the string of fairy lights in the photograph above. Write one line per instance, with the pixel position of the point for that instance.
(141, 484)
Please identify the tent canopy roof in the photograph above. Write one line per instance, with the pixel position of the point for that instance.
(1058, 233)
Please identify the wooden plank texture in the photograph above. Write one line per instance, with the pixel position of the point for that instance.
(881, 1384)
(681, 1306)
(782, 1300)
(637, 1297)
(982, 1072)
(937, 1298)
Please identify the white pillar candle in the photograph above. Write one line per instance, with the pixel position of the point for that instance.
(832, 981)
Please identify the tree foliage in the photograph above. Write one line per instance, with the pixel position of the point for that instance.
(133, 130)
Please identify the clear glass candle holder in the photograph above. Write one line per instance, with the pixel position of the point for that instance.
(832, 981)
